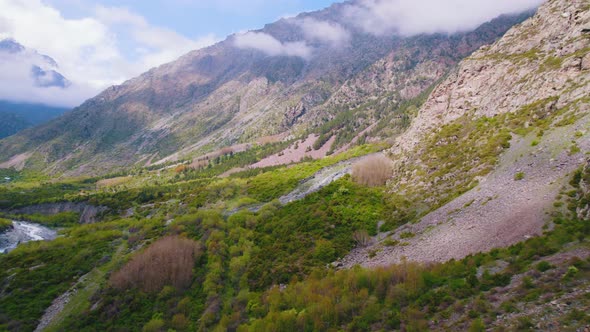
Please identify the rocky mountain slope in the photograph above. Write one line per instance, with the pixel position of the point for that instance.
(495, 143)
(230, 93)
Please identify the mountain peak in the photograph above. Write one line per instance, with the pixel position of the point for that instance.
(29, 70)
(10, 45)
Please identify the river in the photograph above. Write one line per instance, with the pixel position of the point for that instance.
(23, 232)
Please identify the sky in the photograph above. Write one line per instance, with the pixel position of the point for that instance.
(101, 43)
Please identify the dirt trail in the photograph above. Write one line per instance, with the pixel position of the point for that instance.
(499, 212)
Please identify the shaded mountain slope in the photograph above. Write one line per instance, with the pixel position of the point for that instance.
(18, 116)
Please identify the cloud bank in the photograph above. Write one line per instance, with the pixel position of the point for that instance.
(386, 17)
(412, 17)
(29, 76)
(324, 31)
(93, 52)
(269, 45)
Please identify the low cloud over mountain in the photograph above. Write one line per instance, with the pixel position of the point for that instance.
(271, 46)
(412, 17)
(381, 18)
(32, 77)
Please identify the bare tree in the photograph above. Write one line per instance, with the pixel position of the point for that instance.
(362, 238)
(168, 261)
(372, 171)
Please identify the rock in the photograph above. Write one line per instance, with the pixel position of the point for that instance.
(583, 210)
(585, 65)
(88, 213)
(293, 113)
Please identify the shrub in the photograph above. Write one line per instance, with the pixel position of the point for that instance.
(544, 266)
(519, 176)
(477, 326)
(407, 235)
(180, 169)
(372, 171)
(5, 224)
(324, 250)
(524, 323)
(180, 322)
(362, 238)
(169, 261)
(390, 243)
(574, 149)
(571, 271)
(154, 325)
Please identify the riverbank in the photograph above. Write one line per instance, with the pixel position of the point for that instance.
(22, 232)
(5, 225)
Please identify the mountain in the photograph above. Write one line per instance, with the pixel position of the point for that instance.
(234, 92)
(42, 68)
(475, 216)
(19, 116)
(497, 140)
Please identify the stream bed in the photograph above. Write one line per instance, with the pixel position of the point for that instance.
(23, 232)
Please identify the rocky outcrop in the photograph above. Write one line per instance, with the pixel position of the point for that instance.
(88, 213)
(292, 114)
(546, 56)
(585, 63)
(583, 197)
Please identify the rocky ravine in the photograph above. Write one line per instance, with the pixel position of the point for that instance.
(545, 57)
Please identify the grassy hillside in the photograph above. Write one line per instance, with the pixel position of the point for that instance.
(270, 269)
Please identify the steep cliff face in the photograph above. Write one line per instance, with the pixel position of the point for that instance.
(226, 94)
(531, 80)
(544, 57)
(495, 142)
(88, 213)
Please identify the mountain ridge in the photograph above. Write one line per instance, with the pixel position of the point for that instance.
(223, 95)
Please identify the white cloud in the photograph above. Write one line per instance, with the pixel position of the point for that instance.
(271, 46)
(89, 49)
(18, 84)
(242, 7)
(156, 45)
(411, 17)
(324, 31)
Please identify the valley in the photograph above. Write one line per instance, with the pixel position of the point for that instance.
(437, 182)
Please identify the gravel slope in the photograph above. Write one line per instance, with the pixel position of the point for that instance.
(499, 212)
